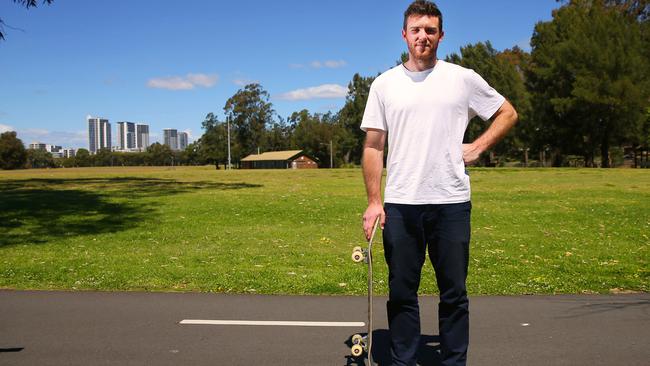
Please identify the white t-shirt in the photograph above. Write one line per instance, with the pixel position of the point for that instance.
(425, 115)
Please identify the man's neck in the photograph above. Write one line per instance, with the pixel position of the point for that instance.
(416, 65)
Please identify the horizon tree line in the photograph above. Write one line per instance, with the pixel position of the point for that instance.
(582, 94)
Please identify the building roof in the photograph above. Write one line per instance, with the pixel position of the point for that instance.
(273, 155)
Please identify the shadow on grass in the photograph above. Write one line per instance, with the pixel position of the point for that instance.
(35, 211)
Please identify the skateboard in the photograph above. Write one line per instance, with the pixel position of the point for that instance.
(364, 343)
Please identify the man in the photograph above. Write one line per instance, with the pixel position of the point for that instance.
(423, 108)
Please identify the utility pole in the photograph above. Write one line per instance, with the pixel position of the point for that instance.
(228, 121)
(331, 156)
(331, 153)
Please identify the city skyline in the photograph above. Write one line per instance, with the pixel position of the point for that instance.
(143, 69)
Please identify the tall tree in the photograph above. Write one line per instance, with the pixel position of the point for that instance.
(213, 145)
(350, 117)
(589, 73)
(504, 72)
(279, 135)
(250, 112)
(12, 151)
(313, 134)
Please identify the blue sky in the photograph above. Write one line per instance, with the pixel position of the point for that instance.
(169, 63)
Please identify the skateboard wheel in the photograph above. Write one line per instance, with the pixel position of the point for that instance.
(357, 338)
(357, 256)
(356, 350)
(356, 249)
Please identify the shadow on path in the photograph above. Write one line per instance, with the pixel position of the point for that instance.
(592, 307)
(427, 353)
(35, 211)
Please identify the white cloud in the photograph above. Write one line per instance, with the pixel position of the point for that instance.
(333, 64)
(325, 91)
(244, 82)
(189, 81)
(330, 64)
(203, 80)
(5, 128)
(36, 131)
(62, 138)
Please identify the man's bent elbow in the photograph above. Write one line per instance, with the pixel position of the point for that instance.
(512, 114)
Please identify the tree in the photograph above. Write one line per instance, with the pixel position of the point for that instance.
(38, 159)
(158, 154)
(12, 151)
(250, 113)
(103, 157)
(27, 4)
(313, 134)
(213, 145)
(589, 73)
(192, 154)
(82, 158)
(279, 135)
(504, 72)
(403, 58)
(350, 116)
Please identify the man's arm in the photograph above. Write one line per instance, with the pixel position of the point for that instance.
(373, 167)
(504, 118)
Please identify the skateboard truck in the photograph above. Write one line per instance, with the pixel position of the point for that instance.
(361, 343)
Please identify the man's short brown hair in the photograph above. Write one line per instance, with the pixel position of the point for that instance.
(423, 7)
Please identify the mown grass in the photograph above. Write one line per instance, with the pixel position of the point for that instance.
(291, 232)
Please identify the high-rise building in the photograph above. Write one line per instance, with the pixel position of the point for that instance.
(126, 135)
(182, 140)
(170, 138)
(142, 136)
(69, 153)
(38, 146)
(99, 134)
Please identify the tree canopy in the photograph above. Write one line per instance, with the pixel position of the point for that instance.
(12, 151)
(589, 76)
(27, 4)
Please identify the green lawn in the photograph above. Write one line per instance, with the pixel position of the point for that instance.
(291, 232)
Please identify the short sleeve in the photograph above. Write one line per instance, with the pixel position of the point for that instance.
(484, 100)
(374, 116)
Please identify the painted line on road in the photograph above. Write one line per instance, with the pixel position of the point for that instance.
(272, 323)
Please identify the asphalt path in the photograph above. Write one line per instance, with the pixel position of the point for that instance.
(137, 328)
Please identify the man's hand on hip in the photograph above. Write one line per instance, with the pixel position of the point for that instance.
(471, 153)
(372, 213)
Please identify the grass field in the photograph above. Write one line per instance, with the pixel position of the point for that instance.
(291, 232)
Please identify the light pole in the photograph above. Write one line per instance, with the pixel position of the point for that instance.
(228, 121)
(331, 153)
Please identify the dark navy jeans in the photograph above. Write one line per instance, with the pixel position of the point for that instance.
(445, 231)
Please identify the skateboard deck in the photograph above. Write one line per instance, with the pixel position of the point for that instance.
(361, 343)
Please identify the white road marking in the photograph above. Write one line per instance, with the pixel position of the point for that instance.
(275, 323)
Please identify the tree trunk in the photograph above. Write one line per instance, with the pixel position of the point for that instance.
(525, 157)
(604, 153)
(589, 160)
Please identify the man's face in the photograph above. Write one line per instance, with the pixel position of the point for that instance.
(422, 35)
